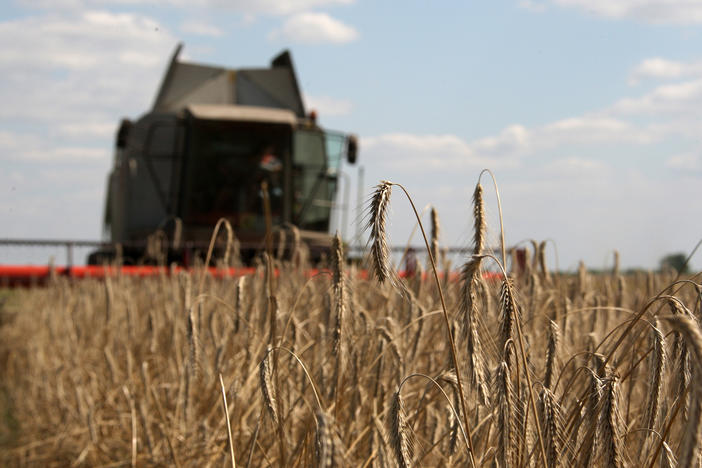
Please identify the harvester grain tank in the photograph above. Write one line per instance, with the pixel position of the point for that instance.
(202, 152)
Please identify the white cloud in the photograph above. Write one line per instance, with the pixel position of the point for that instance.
(447, 151)
(679, 98)
(314, 28)
(408, 141)
(665, 111)
(660, 68)
(283, 7)
(648, 11)
(104, 130)
(79, 70)
(657, 68)
(90, 40)
(16, 146)
(507, 148)
(511, 141)
(691, 162)
(420, 152)
(590, 129)
(276, 7)
(68, 78)
(326, 105)
(66, 154)
(201, 28)
(574, 166)
(532, 5)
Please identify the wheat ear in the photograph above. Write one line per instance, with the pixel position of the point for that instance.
(400, 432)
(324, 443)
(687, 326)
(589, 420)
(611, 425)
(435, 229)
(507, 315)
(380, 252)
(655, 381)
(265, 373)
(551, 352)
(552, 426)
(479, 220)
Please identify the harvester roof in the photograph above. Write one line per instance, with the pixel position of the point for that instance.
(186, 84)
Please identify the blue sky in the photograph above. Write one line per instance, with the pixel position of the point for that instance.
(588, 112)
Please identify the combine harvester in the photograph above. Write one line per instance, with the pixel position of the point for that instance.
(218, 143)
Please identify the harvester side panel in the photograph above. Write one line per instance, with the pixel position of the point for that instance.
(151, 158)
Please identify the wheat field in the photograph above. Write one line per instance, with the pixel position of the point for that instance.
(336, 369)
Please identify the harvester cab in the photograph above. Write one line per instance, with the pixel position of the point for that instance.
(213, 136)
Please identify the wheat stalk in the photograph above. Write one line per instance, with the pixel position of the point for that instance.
(229, 425)
(339, 291)
(506, 418)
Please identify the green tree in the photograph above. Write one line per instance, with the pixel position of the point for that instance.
(676, 261)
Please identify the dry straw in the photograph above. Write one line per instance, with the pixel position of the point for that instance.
(85, 391)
